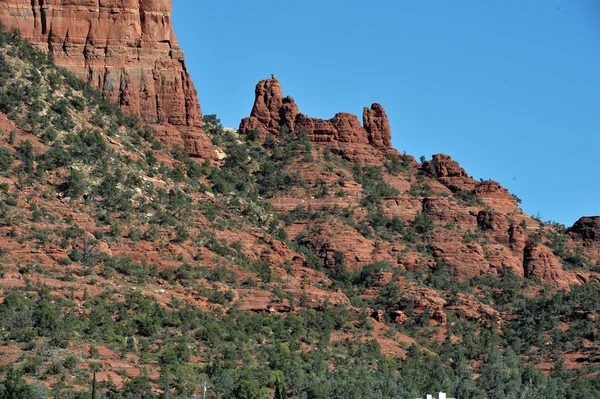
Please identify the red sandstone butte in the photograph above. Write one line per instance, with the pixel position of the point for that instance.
(342, 134)
(125, 48)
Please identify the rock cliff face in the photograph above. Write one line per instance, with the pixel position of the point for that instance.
(585, 233)
(586, 229)
(343, 133)
(125, 48)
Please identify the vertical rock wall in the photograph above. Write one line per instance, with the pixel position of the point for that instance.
(126, 48)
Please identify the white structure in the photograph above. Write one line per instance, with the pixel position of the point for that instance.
(438, 395)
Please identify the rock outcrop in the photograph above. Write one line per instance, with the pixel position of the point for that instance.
(377, 126)
(585, 234)
(493, 194)
(540, 262)
(444, 211)
(450, 173)
(516, 238)
(586, 229)
(343, 133)
(125, 48)
(488, 219)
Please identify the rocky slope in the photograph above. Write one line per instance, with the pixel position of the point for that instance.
(312, 259)
(460, 207)
(125, 48)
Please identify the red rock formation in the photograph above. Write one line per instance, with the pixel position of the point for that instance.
(376, 314)
(586, 229)
(465, 260)
(443, 211)
(343, 133)
(358, 251)
(343, 127)
(540, 262)
(516, 237)
(473, 310)
(125, 48)
(450, 173)
(585, 234)
(270, 112)
(445, 166)
(491, 220)
(377, 126)
(492, 193)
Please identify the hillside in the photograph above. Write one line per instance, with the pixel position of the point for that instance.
(301, 257)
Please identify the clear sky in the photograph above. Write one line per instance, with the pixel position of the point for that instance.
(510, 89)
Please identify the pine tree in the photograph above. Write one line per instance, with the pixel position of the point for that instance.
(280, 392)
(94, 386)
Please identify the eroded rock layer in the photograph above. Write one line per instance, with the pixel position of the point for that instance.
(126, 48)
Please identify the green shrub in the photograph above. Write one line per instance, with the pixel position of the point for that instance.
(15, 387)
(373, 184)
(6, 159)
(420, 189)
(25, 154)
(467, 198)
(75, 185)
(424, 224)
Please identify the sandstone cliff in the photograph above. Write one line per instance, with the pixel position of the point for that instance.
(125, 48)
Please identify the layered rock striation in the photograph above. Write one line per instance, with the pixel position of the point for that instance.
(125, 48)
(343, 133)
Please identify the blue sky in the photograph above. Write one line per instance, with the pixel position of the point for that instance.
(510, 89)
